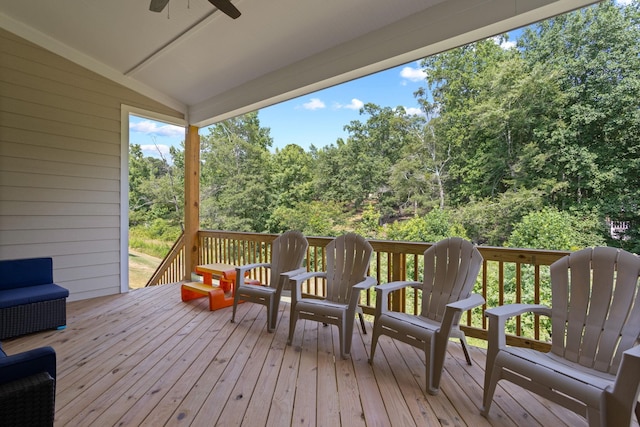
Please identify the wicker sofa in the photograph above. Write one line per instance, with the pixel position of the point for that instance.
(29, 300)
(28, 387)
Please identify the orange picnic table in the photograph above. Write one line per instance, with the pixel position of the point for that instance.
(221, 294)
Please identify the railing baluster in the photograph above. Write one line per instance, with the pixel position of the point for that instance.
(392, 261)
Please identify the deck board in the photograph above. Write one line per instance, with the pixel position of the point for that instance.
(147, 358)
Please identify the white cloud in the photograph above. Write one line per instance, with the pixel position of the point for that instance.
(314, 104)
(355, 104)
(413, 74)
(504, 44)
(152, 128)
(624, 2)
(156, 150)
(414, 111)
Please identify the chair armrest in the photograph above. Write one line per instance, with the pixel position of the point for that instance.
(383, 291)
(240, 271)
(498, 316)
(472, 301)
(296, 287)
(504, 312)
(244, 269)
(292, 273)
(626, 388)
(365, 284)
(452, 310)
(354, 298)
(28, 363)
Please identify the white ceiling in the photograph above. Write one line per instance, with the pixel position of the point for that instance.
(197, 60)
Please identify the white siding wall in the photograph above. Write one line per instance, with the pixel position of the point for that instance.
(60, 165)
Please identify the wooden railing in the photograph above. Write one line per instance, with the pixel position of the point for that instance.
(172, 269)
(507, 275)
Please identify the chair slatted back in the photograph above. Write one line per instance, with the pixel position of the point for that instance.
(596, 306)
(348, 257)
(451, 267)
(287, 253)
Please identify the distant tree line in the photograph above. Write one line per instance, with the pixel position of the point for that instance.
(532, 146)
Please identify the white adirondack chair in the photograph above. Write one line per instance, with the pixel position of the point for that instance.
(287, 253)
(451, 267)
(347, 260)
(593, 367)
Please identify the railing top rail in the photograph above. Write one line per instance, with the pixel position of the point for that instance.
(489, 253)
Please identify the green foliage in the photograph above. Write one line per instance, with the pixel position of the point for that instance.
(550, 229)
(235, 175)
(311, 218)
(154, 191)
(490, 221)
(432, 227)
(155, 239)
(369, 225)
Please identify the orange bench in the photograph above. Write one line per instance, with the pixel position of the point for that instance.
(221, 295)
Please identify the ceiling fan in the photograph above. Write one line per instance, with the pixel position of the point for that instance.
(223, 5)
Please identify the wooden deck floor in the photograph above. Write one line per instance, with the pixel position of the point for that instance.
(146, 358)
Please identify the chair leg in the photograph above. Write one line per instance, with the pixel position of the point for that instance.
(235, 305)
(374, 343)
(364, 330)
(292, 325)
(463, 341)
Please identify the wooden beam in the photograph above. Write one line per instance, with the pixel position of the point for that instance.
(191, 199)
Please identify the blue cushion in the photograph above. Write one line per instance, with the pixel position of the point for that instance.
(31, 294)
(2, 353)
(25, 272)
(28, 363)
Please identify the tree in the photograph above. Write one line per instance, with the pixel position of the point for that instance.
(153, 191)
(235, 175)
(353, 171)
(594, 144)
(418, 177)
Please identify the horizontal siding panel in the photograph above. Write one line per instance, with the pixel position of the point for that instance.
(20, 49)
(57, 195)
(58, 114)
(88, 272)
(44, 168)
(17, 237)
(41, 82)
(57, 249)
(27, 179)
(91, 288)
(38, 208)
(19, 121)
(45, 96)
(26, 222)
(27, 151)
(43, 139)
(89, 291)
(83, 260)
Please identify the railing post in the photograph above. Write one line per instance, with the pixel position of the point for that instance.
(397, 268)
(191, 199)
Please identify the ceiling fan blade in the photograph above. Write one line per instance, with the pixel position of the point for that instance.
(158, 5)
(226, 7)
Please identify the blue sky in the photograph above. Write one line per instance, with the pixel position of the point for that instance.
(317, 118)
